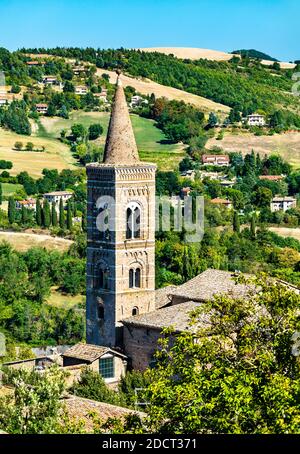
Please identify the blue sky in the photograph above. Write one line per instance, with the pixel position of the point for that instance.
(271, 26)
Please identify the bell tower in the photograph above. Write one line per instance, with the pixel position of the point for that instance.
(120, 232)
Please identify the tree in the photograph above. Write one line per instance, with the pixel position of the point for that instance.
(262, 197)
(61, 214)
(212, 120)
(1, 193)
(29, 146)
(78, 131)
(38, 213)
(54, 220)
(253, 226)
(18, 145)
(46, 217)
(11, 210)
(68, 87)
(69, 216)
(242, 376)
(83, 222)
(95, 131)
(15, 88)
(35, 406)
(24, 215)
(236, 222)
(92, 386)
(234, 116)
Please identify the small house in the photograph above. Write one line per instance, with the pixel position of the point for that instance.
(221, 160)
(225, 202)
(56, 196)
(110, 364)
(81, 90)
(281, 203)
(256, 120)
(41, 108)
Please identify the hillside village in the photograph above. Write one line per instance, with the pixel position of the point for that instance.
(88, 321)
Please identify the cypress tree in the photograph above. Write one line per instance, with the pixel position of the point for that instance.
(38, 213)
(24, 217)
(46, 214)
(253, 226)
(61, 214)
(69, 216)
(236, 222)
(54, 221)
(83, 221)
(11, 210)
(1, 193)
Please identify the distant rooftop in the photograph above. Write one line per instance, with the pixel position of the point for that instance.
(210, 283)
(177, 316)
(88, 352)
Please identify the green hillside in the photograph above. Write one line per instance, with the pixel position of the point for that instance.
(252, 53)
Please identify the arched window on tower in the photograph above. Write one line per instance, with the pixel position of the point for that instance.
(131, 278)
(137, 278)
(134, 278)
(133, 221)
(135, 311)
(102, 275)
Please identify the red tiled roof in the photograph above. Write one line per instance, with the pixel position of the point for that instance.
(221, 201)
(271, 177)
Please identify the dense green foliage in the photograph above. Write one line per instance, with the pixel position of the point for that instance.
(25, 283)
(36, 406)
(252, 53)
(247, 86)
(241, 376)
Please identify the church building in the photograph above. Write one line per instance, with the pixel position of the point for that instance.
(123, 310)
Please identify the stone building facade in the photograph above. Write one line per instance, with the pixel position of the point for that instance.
(121, 232)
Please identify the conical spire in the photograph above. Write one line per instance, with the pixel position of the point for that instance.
(120, 147)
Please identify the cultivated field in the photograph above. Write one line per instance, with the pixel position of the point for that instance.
(194, 53)
(286, 232)
(23, 241)
(10, 189)
(147, 86)
(287, 145)
(52, 126)
(57, 155)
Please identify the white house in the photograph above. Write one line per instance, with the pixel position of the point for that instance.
(81, 90)
(41, 108)
(56, 196)
(215, 160)
(281, 203)
(137, 101)
(256, 120)
(50, 80)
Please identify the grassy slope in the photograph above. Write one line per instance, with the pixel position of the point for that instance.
(56, 156)
(10, 189)
(149, 138)
(23, 241)
(287, 145)
(57, 299)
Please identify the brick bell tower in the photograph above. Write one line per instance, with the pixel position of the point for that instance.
(120, 232)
